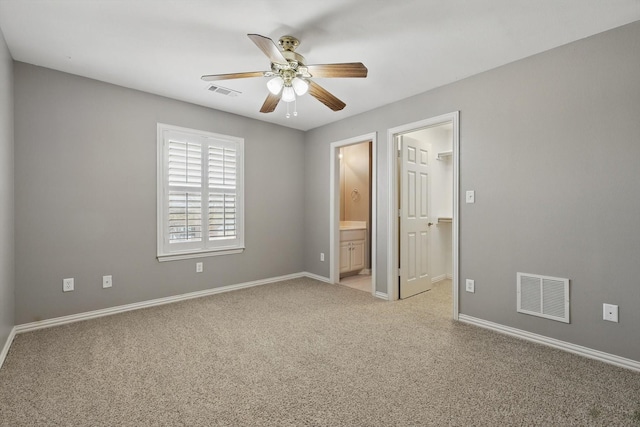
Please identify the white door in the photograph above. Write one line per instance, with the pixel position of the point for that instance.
(414, 217)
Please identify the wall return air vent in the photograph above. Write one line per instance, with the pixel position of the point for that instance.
(543, 296)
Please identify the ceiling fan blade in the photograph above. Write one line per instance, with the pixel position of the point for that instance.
(269, 48)
(322, 95)
(214, 77)
(350, 69)
(270, 103)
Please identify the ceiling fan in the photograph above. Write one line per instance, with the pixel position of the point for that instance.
(292, 76)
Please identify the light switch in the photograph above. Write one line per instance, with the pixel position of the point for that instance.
(470, 285)
(471, 196)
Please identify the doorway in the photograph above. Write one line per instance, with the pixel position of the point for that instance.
(355, 216)
(423, 206)
(353, 213)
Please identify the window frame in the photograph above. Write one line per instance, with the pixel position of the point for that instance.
(204, 248)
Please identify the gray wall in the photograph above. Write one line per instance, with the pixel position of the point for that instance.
(551, 145)
(7, 276)
(85, 162)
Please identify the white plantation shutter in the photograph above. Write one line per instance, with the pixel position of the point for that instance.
(222, 193)
(200, 193)
(185, 201)
(222, 167)
(185, 164)
(185, 217)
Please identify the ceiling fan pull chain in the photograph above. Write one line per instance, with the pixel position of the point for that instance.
(288, 115)
(295, 107)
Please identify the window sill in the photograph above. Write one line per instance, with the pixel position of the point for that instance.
(204, 254)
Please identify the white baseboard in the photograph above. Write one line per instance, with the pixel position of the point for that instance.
(63, 320)
(7, 346)
(381, 295)
(552, 342)
(316, 277)
(439, 278)
(26, 327)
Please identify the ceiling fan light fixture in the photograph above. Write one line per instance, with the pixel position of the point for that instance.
(275, 85)
(300, 86)
(290, 78)
(288, 94)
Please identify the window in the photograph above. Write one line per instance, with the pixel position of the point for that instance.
(200, 193)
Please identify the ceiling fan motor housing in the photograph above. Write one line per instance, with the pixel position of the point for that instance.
(294, 67)
(289, 43)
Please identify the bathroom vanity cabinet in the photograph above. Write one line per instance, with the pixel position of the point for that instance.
(352, 250)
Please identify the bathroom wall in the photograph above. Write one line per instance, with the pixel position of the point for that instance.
(355, 182)
(355, 200)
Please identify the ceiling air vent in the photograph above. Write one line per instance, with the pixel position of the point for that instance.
(543, 296)
(224, 91)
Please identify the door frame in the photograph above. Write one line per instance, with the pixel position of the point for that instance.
(392, 232)
(334, 205)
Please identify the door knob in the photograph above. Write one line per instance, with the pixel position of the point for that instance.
(429, 224)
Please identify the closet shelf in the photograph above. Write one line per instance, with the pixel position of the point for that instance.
(444, 219)
(444, 154)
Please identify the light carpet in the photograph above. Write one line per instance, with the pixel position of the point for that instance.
(303, 353)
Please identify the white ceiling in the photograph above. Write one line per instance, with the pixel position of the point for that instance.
(409, 46)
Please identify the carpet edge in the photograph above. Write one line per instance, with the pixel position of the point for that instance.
(72, 318)
(7, 346)
(590, 353)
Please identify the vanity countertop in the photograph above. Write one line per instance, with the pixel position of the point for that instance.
(353, 225)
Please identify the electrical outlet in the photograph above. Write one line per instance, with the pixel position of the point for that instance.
(67, 285)
(471, 196)
(107, 281)
(471, 285)
(610, 312)
(321, 256)
(199, 267)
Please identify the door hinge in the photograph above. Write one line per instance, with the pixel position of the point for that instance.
(399, 272)
(399, 213)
